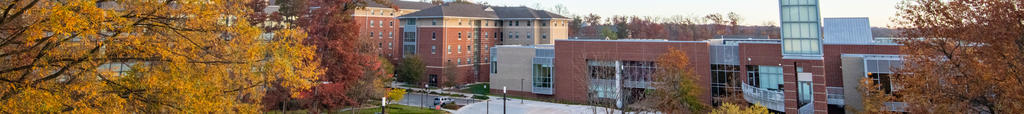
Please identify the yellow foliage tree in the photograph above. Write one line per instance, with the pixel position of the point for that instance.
(148, 56)
(729, 108)
(396, 94)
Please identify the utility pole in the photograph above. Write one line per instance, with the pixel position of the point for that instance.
(521, 88)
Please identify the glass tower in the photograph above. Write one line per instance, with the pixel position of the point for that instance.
(801, 30)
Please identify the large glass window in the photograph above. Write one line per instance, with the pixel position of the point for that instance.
(638, 70)
(769, 77)
(724, 81)
(541, 75)
(601, 69)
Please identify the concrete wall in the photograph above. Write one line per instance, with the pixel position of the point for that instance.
(853, 71)
(515, 68)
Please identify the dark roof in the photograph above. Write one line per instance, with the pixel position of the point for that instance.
(402, 4)
(524, 12)
(455, 9)
(481, 11)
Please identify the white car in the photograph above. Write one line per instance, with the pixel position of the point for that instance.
(443, 100)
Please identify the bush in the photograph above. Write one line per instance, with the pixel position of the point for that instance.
(452, 106)
(481, 97)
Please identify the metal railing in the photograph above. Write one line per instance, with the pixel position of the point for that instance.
(770, 99)
(806, 109)
(896, 106)
(835, 95)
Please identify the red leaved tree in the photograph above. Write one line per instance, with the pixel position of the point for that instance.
(345, 56)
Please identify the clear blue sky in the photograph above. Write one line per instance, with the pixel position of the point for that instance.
(754, 12)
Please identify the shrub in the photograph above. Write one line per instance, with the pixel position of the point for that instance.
(452, 106)
(481, 97)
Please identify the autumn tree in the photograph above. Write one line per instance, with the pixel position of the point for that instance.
(396, 94)
(410, 69)
(347, 58)
(962, 56)
(163, 56)
(451, 74)
(729, 108)
(675, 88)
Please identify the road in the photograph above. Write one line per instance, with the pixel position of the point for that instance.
(424, 100)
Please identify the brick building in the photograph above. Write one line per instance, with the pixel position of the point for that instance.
(809, 70)
(462, 34)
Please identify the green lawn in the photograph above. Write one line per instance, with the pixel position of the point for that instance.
(478, 89)
(397, 109)
(392, 109)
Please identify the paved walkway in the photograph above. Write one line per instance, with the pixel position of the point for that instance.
(519, 106)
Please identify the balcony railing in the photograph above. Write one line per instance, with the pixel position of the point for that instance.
(835, 95)
(806, 109)
(768, 98)
(896, 106)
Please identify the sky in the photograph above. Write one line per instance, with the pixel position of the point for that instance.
(754, 12)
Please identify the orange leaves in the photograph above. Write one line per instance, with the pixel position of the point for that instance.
(963, 56)
(131, 56)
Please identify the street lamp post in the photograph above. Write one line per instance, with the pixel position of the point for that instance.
(383, 104)
(487, 102)
(504, 93)
(424, 96)
(521, 88)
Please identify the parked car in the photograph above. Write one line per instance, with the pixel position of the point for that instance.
(443, 100)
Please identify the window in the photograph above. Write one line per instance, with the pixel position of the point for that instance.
(602, 74)
(380, 23)
(485, 35)
(390, 46)
(449, 49)
(509, 23)
(541, 75)
(459, 47)
(391, 34)
(380, 45)
(373, 12)
(460, 21)
(469, 49)
(433, 36)
(528, 23)
(410, 22)
(371, 23)
(544, 36)
(381, 35)
(543, 24)
(528, 36)
(371, 34)
(517, 35)
(766, 77)
(392, 23)
(882, 79)
(494, 67)
(433, 49)
(460, 35)
(723, 81)
(517, 23)
(433, 22)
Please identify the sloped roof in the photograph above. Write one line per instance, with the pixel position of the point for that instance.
(402, 4)
(524, 12)
(480, 11)
(454, 9)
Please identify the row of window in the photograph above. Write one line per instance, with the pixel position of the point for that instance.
(380, 23)
(469, 49)
(390, 35)
(498, 23)
(374, 12)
